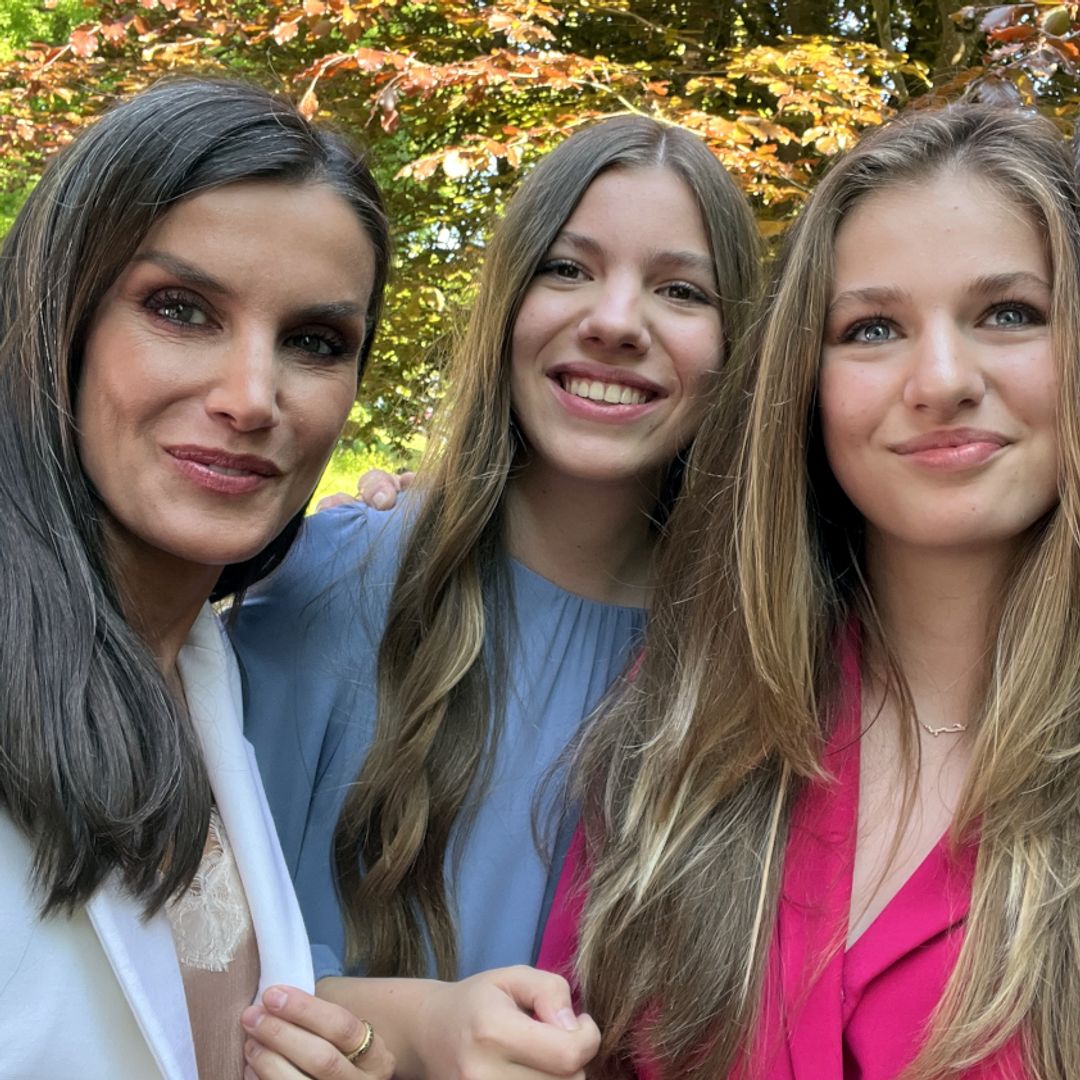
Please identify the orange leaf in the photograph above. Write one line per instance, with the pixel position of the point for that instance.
(369, 59)
(83, 43)
(309, 105)
(1013, 33)
(286, 31)
(314, 7)
(114, 32)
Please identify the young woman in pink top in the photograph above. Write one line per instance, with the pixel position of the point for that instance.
(833, 827)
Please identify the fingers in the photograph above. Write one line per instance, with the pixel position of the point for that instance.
(339, 498)
(294, 1034)
(378, 489)
(538, 1030)
(546, 995)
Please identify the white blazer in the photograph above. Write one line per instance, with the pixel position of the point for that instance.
(99, 995)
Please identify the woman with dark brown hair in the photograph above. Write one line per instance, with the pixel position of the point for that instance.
(186, 301)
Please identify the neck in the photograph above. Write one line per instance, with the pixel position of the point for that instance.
(592, 539)
(936, 610)
(161, 596)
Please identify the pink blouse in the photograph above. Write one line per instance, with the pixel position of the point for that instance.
(829, 1013)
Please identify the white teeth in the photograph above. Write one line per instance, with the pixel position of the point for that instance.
(609, 393)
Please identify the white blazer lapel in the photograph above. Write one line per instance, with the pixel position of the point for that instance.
(212, 687)
(143, 959)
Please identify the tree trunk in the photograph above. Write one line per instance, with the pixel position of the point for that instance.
(955, 48)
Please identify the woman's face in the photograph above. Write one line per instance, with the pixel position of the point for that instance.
(617, 329)
(938, 388)
(220, 367)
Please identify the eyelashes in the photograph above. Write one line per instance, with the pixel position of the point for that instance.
(187, 312)
(678, 291)
(1006, 315)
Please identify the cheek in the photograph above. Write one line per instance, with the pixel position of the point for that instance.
(320, 406)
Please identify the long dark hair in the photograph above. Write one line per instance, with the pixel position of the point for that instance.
(99, 766)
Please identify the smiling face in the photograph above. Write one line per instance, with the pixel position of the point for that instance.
(616, 330)
(220, 367)
(938, 386)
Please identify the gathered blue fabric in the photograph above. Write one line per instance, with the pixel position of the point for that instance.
(308, 642)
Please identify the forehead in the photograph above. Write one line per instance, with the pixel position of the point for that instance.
(260, 234)
(631, 198)
(954, 219)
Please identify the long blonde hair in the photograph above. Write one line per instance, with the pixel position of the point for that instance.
(442, 657)
(688, 779)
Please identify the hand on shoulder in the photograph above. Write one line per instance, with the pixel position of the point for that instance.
(375, 488)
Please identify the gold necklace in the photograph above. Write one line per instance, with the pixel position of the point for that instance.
(949, 729)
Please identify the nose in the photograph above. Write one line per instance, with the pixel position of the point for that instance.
(244, 386)
(615, 319)
(946, 375)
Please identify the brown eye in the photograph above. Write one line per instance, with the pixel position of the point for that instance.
(322, 343)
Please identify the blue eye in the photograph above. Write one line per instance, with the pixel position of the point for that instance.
(1013, 315)
(870, 332)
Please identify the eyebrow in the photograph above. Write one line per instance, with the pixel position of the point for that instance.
(985, 285)
(185, 271)
(692, 260)
(874, 295)
(192, 275)
(996, 283)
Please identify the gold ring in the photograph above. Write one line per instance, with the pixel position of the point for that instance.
(365, 1044)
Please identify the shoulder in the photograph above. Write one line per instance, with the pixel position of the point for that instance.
(332, 551)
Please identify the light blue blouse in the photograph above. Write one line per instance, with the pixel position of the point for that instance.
(307, 641)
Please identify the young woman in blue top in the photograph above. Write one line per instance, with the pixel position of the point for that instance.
(413, 678)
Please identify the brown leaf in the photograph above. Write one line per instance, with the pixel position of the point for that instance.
(285, 31)
(114, 32)
(83, 43)
(309, 105)
(369, 59)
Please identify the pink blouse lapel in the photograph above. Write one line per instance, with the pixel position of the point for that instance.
(804, 991)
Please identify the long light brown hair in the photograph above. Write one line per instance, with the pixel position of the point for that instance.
(688, 778)
(441, 661)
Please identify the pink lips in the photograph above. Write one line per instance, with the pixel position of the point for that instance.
(221, 471)
(954, 448)
(603, 412)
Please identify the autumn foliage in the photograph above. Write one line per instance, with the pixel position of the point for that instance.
(455, 97)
